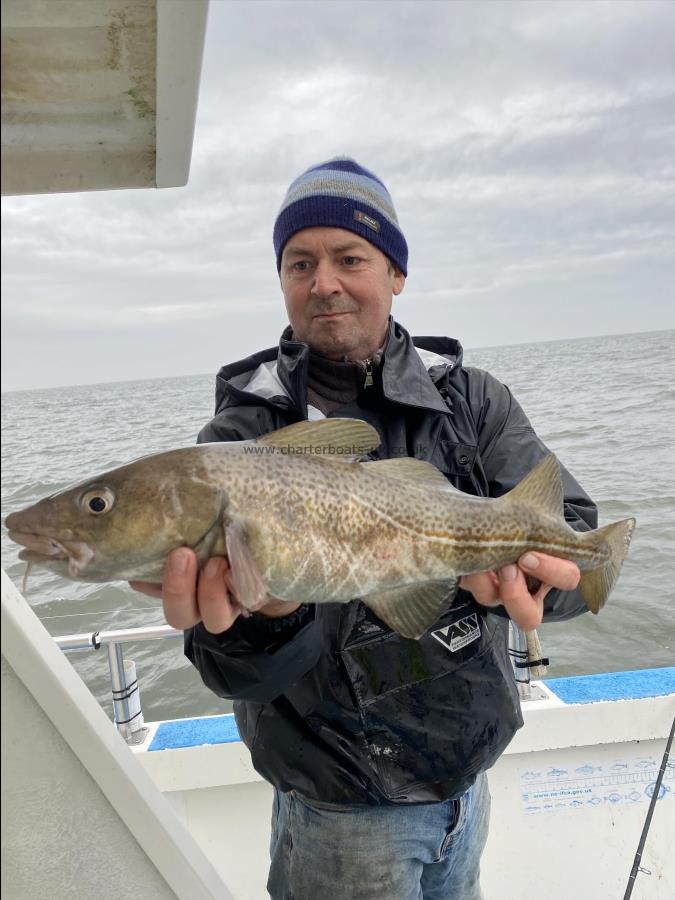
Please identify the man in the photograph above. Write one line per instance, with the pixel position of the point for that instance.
(377, 746)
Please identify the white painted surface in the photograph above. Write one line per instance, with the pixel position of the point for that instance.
(99, 94)
(74, 797)
(559, 851)
(570, 796)
(197, 768)
(60, 836)
(181, 28)
(554, 849)
(232, 825)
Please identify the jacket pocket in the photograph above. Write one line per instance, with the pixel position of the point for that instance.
(438, 710)
(460, 463)
(454, 458)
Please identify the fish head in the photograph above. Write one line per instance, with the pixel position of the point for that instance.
(121, 524)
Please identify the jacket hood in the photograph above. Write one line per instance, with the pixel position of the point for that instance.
(410, 369)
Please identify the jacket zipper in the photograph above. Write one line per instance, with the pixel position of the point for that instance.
(368, 382)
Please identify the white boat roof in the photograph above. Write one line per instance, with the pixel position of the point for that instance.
(99, 94)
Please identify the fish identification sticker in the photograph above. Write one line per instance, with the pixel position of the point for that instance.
(459, 634)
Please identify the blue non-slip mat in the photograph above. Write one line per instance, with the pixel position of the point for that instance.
(614, 685)
(195, 732)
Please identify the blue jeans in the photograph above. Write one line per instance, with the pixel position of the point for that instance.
(428, 851)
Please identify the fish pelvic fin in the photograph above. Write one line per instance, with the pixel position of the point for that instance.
(333, 439)
(413, 609)
(596, 584)
(541, 488)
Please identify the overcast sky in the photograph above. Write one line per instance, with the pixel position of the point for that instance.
(529, 148)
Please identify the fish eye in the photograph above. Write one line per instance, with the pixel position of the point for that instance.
(98, 501)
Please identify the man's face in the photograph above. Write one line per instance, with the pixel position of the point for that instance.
(338, 290)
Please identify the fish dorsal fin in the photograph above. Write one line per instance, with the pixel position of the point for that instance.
(332, 439)
(411, 470)
(413, 609)
(541, 488)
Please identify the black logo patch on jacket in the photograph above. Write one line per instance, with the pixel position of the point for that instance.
(458, 634)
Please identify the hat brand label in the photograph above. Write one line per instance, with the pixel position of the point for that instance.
(366, 220)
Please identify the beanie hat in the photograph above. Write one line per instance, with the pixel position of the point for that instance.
(342, 194)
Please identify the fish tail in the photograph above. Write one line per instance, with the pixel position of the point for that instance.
(542, 489)
(597, 583)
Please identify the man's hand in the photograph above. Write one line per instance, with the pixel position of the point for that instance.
(190, 597)
(510, 588)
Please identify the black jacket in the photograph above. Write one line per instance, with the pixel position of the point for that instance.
(330, 701)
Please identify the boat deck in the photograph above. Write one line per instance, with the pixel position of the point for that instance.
(569, 796)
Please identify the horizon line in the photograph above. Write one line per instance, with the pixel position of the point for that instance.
(79, 384)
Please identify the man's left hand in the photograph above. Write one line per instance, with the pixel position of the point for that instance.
(509, 587)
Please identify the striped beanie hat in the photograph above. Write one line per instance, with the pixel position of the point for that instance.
(342, 194)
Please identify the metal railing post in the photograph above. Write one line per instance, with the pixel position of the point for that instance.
(518, 654)
(125, 695)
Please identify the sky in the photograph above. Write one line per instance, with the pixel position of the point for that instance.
(529, 148)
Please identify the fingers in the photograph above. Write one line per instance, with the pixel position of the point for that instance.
(179, 589)
(217, 607)
(510, 587)
(525, 609)
(190, 597)
(484, 586)
(147, 587)
(559, 573)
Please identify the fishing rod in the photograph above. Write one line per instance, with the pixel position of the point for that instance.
(648, 821)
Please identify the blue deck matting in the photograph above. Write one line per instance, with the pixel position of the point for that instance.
(579, 689)
(614, 685)
(195, 732)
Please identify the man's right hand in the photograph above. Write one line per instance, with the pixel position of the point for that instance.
(190, 597)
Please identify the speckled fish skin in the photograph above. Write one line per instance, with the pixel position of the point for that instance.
(313, 528)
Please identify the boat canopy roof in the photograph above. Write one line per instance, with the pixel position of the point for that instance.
(99, 94)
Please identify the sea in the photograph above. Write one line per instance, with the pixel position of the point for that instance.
(604, 405)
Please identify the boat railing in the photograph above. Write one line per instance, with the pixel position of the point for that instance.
(128, 715)
(127, 712)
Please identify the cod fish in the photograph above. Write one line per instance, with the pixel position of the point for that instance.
(300, 517)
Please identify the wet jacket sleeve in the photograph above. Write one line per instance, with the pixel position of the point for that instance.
(257, 658)
(509, 449)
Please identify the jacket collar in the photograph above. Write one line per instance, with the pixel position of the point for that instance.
(409, 369)
(405, 374)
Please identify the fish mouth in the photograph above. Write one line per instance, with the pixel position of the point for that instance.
(42, 548)
(38, 546)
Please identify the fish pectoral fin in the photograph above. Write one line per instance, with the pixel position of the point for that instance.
(412, 470)
(333, 439)
(249, 586)
(541, 488)
(413, 609)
